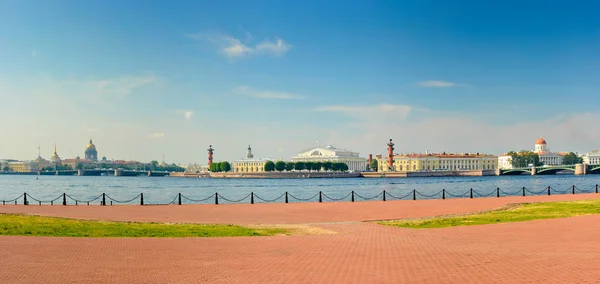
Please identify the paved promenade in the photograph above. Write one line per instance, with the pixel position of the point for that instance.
(545, 251)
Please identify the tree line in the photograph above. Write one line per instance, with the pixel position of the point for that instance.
(281, 166)
(220, 167)
(523, 159)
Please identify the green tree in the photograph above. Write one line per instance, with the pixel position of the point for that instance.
(299, 166)
(215, 167)
(79, 166)
(571, 159)
(373, 165)
(317, 166)
(339, 166)
(269, 166)
(6, 169)
(225, 166)
(289, 166)
(153, 165)
(309, 165)
(280, 166)
(328, 166)
(344, 167)
(523, 159)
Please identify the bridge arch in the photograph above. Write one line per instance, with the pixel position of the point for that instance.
(515, 172)
(553, 170)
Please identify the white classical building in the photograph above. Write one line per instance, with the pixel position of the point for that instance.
(546, 156)
(592, 158)
(332, 154)
(505, 162)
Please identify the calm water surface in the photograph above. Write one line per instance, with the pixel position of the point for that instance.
(165, 189)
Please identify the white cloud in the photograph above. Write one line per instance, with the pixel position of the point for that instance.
(276, 48)
(105, 92)
(247, 91)
(439, 84)
(187, 114)
(121, 86)
(233, 47)
(157, 135)
(375, 112)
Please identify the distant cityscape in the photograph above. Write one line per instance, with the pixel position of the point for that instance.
(320, 158)
(89, 161)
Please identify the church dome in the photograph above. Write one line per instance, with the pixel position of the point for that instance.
(90, 152)
(90, 146)
(540, 141)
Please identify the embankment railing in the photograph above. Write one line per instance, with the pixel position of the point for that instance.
(66, 199)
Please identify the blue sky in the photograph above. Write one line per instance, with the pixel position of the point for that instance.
(146, 78)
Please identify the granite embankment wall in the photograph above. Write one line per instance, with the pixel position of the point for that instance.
(471, 173)
(285, 175)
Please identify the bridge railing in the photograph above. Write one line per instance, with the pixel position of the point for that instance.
(286, 197)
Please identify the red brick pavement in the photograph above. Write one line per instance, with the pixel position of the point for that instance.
(544, 251)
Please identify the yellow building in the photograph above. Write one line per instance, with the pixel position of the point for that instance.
(23, 166)
(249, 164)
(438, 162)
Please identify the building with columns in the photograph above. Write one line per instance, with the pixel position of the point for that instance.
(332, 154)
(90, 152)
(547, 157)
(592, 158)
(505, 162)
(249, 164)
(437, 162)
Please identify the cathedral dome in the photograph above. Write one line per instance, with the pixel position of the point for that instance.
(540, 141)
(90, 146)
(90, 152)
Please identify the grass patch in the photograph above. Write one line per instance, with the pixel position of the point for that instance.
(24, 225)
(519, 213)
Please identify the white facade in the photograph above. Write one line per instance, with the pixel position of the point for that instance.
(546, 156)
(505, 162)
(332, 154)
(592, 158)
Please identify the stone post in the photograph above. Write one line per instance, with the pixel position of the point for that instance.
(580, 169)
(533, 170)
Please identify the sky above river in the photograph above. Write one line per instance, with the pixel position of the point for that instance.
(147, 78)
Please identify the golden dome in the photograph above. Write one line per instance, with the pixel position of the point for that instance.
(90, 146)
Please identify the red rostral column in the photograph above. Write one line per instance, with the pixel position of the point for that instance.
(390, 154)
(210, 153)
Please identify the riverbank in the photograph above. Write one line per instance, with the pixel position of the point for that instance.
(286, 175)
(463, 173)
(296, 175)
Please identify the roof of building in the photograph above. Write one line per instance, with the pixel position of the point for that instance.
(328, 147)
(540, 141)
(90, 146)
(253, 160)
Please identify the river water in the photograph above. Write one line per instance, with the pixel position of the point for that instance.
(159, 190)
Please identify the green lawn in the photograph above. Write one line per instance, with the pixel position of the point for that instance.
(519, 213)
(22, 225)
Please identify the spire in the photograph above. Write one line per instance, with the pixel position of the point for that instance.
(249, 154)
(54, 148)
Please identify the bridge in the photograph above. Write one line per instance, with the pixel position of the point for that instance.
(578, 169)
